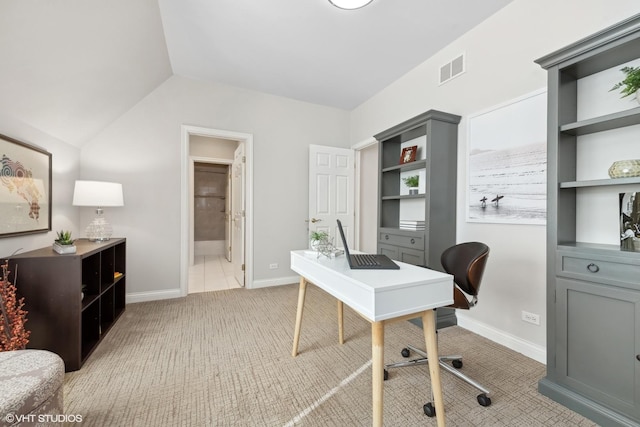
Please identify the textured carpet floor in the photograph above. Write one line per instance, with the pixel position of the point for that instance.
(224, 359)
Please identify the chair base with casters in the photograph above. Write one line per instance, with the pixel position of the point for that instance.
(466, 263)
(484, 398)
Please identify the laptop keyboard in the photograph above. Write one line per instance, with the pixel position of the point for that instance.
(366, 260)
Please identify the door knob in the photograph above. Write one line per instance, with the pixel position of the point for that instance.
(313, 220)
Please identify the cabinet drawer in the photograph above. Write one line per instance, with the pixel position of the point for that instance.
(404, 240)
(398, 253)
(598, 268)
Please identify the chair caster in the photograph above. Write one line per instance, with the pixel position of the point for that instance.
(484, 400)
(405, 352)
(457, 363)
(429, 410)
(386, 375)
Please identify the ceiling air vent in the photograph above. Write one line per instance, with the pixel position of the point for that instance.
(452, 69)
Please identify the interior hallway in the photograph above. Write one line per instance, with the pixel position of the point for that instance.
(211, 273)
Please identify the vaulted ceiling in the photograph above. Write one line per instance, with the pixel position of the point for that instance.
(71, 67)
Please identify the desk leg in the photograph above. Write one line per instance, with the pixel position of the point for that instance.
(296, 336)
(340, 322)
(429, 327)
(377, 370)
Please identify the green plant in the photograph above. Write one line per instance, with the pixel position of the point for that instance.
(631, 82)
(318, 236)
(64, 238)
(411, 181)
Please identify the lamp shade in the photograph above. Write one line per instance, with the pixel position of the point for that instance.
(97, 194)
(350, 4)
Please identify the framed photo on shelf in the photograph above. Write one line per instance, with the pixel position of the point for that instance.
(408, 154)
(630, 222)
(25, 188)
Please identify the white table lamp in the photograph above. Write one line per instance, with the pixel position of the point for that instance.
(98, 194)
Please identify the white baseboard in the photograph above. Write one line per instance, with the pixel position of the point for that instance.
(275, 282)
(152, 296)
(512, 342)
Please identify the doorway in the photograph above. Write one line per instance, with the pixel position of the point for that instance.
(212, 268)
(213, 151)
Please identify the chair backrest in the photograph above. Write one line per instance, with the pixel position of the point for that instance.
(466, 262)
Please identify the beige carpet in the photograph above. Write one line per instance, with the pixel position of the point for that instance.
(224, 359)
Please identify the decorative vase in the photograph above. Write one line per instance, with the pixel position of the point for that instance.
(625, 169)
(413, 190)
(64, 249)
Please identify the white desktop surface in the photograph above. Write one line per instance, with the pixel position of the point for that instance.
(376, 294)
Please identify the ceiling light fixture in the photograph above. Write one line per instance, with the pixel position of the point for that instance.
(350, 4)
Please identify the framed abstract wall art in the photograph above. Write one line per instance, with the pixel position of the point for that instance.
(507, 162)
(25, 188)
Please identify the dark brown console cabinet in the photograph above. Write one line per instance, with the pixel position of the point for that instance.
(59, 317)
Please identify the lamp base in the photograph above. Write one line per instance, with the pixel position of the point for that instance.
(99, 230)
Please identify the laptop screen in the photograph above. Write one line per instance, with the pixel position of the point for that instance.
(344, 240)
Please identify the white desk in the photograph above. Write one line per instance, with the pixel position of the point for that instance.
(379, 296)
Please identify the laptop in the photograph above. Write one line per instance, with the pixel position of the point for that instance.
(366, 261)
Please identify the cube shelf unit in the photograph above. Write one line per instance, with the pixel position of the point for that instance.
(59, 317)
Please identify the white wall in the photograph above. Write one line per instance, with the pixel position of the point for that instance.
(142, 151)
(368, 203)
(499, 67)
(214, 148)
(65, 166)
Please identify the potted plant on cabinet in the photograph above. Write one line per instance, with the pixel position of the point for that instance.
(412, 183)
(64, 243)
(631, 83)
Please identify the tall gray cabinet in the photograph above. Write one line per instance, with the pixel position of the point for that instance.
(417, 228)
(593, 287)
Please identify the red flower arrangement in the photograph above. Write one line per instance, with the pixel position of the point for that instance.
(13, 335)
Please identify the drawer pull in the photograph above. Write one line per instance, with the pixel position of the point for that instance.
(386, 237)
(593, 268)
(413, 241)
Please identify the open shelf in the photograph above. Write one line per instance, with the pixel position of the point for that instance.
(600, 124)
(60, 319)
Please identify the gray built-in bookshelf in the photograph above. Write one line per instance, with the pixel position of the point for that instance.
(417, 228)
(593, 286)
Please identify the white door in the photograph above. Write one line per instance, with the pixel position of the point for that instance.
(227, 218)
(331, 191)
(238, 213)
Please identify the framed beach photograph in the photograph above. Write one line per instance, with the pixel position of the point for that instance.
(25, 188)
(507, 162)
(408, 154)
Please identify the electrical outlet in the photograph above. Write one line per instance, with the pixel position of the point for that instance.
(531, 317)
(273, 266)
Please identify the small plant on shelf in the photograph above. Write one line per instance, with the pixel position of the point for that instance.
(631, 83)
(64, 243)
(64, 238)
(411, 181)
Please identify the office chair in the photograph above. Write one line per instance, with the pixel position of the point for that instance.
(466, 263)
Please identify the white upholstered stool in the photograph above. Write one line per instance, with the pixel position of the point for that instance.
(31, 384)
